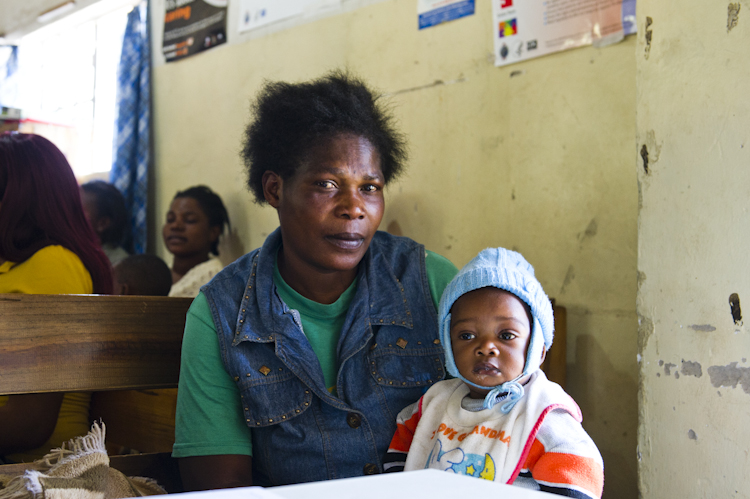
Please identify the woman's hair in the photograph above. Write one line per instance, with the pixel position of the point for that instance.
(111, 204)
(211, 205)
(41, 206)
(289, 118)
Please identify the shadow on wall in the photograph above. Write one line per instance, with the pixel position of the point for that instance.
(416, 217)
(230, 247)
(394, 228)
(611, 420)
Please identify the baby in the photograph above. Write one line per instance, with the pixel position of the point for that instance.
(500, 419)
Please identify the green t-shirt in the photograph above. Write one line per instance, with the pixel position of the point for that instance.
(210, 420)
(321, 323)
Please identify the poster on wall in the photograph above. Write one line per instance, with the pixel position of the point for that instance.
(434, 12)
(531, 28)
(257, 13)
(192, 26)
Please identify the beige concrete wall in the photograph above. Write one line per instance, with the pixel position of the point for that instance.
(693, 120)
(537, 156)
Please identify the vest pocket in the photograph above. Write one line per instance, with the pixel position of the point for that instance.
(396, 366)
(273, 398)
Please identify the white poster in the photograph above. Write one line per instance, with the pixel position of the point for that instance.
(531, 28)
(432, 12)
(257, 13)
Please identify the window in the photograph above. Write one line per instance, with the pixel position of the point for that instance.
(66, 83)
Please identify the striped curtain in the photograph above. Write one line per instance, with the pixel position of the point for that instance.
(132, 141)
(8, 79)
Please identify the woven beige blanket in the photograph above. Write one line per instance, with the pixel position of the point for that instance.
(78, 470)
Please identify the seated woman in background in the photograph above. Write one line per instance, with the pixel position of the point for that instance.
(47, 247)
(195, 220)
(105, 208)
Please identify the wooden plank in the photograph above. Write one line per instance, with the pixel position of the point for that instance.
(141, 420)
(555, 365)
(15, 469)
(57, 343)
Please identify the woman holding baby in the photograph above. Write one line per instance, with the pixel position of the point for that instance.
(298, 356)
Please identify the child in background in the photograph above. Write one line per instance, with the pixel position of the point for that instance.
(104, 206)
(144, 275)
(500, 419)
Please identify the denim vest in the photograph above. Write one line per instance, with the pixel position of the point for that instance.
(388, 355)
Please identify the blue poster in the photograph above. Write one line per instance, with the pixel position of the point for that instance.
(433, 12)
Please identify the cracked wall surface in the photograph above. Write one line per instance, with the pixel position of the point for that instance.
(694, 394)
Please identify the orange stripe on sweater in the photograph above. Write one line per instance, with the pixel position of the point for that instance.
(401, 441)
(537, 450)
(555, 467)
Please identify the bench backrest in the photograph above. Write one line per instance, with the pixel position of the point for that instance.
(67, 343)
(96, 343)
(555, 364)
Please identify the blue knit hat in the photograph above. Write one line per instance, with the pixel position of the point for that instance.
(507, 270)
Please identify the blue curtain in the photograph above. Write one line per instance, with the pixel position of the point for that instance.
(132, 142)
(8, 84)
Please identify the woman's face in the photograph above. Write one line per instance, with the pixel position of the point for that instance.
(332, 206)
(186, 231)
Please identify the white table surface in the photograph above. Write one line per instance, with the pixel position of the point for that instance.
(407, 485)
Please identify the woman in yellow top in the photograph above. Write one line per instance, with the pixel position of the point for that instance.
(47, 247)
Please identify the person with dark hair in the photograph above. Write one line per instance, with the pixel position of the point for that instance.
(47, 247)
(195, 220)
(298, 356)
(104, 206)
(144, 275)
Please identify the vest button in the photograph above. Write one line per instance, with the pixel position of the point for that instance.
(353, 420)
(370, 469)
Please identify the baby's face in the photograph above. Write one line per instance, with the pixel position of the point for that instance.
(490, 332)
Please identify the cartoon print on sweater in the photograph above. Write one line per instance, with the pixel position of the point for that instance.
(457, 461)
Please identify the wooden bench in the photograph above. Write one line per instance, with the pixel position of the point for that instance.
(555, 365)
(109, 345)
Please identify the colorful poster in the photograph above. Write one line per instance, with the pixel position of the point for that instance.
(531, 28)
(191, 26)
(432, 12)
(257, 13)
